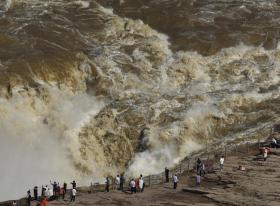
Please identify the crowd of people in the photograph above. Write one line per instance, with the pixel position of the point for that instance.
(54, 192)
(135, 185)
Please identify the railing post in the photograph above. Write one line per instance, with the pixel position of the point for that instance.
(225, 152)
(150, 181)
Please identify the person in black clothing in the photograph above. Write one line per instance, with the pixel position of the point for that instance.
(198, 166)
(42, 191)
(54, 189)
(35, 193)
(107, 184)
(121, 182)
(29, 198)
(274, 143)
(73, 184)
(166, 174)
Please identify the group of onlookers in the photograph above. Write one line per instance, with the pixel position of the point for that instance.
(138, 184)
(135, 185)
(50, 193)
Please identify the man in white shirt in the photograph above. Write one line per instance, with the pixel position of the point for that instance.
(46, 191)
(117, 182)
(50, 193)
(73, 195)
(175, 181)
(222, 160)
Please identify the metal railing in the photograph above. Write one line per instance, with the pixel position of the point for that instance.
(188, 165)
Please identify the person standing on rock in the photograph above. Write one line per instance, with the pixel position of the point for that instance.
(198, 166)
(166, 174)
(54, 189)
(50, 194)
(43, 191)
(121, 182)
(222, 160)
(29, 198)
(73, 195)
(35, 190)
(265, 154)
(133, 186)
(117, 182)
(141, 183)
(175, 181)
(65, 189)
(107, 184)
(46, 191)
(74, 185)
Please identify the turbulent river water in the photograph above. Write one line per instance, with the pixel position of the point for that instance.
(95, 88)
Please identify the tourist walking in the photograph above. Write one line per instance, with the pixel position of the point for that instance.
(175, 181)
(166, 174)
(222, 160)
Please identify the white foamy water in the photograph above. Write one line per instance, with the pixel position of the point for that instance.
(37, 139)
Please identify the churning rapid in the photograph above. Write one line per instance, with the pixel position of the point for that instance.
(89, 89)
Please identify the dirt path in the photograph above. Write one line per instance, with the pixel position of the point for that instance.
(155, 196)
